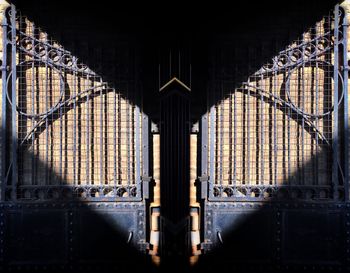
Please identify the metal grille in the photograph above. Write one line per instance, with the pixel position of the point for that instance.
(72, 134)
(276, 134)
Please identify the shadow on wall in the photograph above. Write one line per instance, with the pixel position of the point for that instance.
(56, 231)
(68, 233)
(297, 229)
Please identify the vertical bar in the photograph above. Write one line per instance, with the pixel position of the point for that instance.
(33, 172)
(115, 140)
(248, 135)
(145, 139)
(127, 133)
(262, 131)
(275, 126)
(87, 167)
(119, 140)
(290, 181)
(14, 102)
(217, 143)
(212, 151)
(230, 161)
(204, 136)
(137, 148)
(220, 120)
(335, 181)
(132, 145)
(221, 165)
(316, 124)
(234, 139)
(346, 111)
(75, 178)
(46, 119)
(61, 125)
(3, 117)
(101, 134)
(303, 122)
(233, 105)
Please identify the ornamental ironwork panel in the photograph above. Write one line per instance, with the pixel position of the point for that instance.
(70, 134)
(277, 133)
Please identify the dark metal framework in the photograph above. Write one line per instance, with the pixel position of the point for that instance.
(278, 134)
(74, 157)
(71, 134)
(274, 158)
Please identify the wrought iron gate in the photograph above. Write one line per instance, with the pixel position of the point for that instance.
(73, 149)
(276, 145)
(75, 154)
